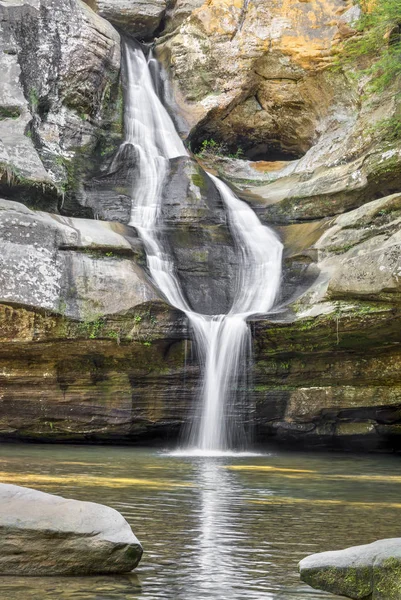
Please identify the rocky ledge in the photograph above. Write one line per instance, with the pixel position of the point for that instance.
(370, 572)
(44, 534)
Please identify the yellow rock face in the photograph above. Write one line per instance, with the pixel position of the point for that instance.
(223, 54)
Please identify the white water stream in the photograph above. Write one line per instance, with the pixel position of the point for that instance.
(223, 341)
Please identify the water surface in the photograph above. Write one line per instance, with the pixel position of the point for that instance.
(224, 528)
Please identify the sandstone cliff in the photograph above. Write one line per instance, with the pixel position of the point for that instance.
(90, 351)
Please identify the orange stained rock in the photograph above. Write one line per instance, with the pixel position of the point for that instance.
(302, 30)
(265, 166)
(219, 16)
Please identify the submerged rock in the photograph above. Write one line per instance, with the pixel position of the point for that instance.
(43, 534)
(372, 571)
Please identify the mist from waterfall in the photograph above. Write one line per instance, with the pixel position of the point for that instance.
(223, 341)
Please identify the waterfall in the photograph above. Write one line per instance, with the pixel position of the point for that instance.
(223, 341)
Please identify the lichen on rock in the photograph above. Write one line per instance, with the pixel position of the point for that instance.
(369, 572)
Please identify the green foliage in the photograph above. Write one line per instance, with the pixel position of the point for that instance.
(114, 335)
(33, 99)
(92, 327)
(9, 112)
(389, 129)
(213, 148)
(376, 47)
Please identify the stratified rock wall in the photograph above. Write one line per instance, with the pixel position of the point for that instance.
(89, 350)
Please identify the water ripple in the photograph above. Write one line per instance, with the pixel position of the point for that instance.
(213, 528)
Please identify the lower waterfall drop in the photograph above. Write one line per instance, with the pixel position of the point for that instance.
(223, 341)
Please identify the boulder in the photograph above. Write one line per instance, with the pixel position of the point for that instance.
(372, 571)
(140, 18)
(359, 255)
(43, 534)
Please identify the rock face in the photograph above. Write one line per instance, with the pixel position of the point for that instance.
(195, 229)
(140, 18)
(89, 350)
(250, 74)
(79, 268)
(62, 65)
(372, 571)
(44, 534)
(199, 238)
(328, 369)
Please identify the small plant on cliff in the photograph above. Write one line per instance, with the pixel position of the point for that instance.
(33, 99)
(390, 128)
(213, 148)
(376, 47)
(92, 326)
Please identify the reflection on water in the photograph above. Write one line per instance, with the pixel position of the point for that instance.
(213, 528)
(220, 531)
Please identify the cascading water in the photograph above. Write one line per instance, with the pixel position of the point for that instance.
(223, 341)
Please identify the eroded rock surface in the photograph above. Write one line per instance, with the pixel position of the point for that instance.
(140, 18)
(89, 350)
(372, 571)
(195, 228)
(250, 73)
(79, 268)
(61, 63)
(330, 363)
(43, 534)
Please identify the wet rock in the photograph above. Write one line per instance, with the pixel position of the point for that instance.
(199, 238)
(195, 228)
(370, 571)
(44, 534)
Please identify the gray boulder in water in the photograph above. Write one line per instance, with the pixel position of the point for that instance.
(369, 572)
(43, 534)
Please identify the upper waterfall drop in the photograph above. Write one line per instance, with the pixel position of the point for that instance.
(223, 340)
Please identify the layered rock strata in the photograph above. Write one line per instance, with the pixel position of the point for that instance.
(90, 351)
